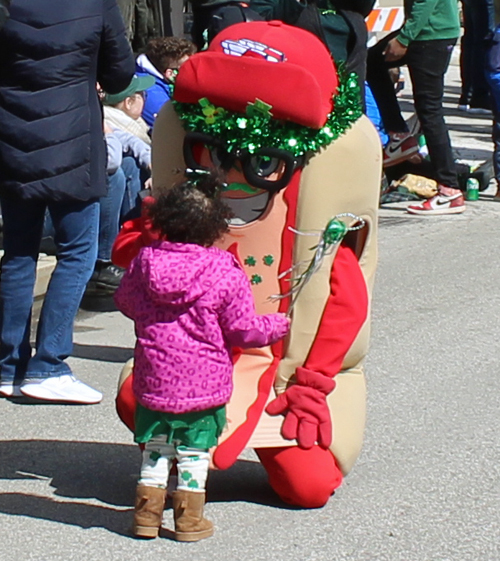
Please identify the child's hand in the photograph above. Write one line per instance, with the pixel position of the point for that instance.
(284, 316)
(287, 321)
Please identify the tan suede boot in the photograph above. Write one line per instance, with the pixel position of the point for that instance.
(149, 504)
(190, 525)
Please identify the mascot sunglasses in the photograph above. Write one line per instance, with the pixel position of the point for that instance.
(267, 168)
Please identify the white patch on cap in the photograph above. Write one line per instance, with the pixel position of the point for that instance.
(242, 46)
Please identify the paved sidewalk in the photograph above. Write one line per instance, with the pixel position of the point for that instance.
(426, 487)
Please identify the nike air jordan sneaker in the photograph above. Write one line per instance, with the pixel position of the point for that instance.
(401, 147)
(439, 204)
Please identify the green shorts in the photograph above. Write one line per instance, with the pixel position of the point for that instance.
(199, 429)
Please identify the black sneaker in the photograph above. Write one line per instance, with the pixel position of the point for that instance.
(98, 296)
(108, 276)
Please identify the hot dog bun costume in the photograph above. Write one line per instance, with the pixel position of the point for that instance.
(266, 103)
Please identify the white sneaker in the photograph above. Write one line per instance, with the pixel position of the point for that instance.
(65, 388)
(9, 389)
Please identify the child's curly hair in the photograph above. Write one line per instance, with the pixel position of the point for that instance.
(192, 212)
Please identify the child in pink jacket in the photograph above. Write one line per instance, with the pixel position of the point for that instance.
(191, 303)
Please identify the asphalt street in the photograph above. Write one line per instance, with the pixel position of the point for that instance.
(426, 486)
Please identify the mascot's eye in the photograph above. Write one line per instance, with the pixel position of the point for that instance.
(264, 166)
(218, 155)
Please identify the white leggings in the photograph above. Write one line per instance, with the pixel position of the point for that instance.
(157, 458)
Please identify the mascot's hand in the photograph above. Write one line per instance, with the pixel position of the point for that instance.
(307, 416)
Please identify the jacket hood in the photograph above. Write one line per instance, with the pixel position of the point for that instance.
(179, 274)
(144, 65)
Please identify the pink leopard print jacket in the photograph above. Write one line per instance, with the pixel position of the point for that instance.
(190, 305)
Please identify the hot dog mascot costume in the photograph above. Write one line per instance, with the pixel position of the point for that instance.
(267, 104)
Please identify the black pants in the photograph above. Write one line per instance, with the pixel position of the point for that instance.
(427, 62)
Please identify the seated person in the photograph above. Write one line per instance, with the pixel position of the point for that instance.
(161, 61)
(123, 110)
(129, 171)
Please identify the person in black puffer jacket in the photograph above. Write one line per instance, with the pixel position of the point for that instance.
(52, 156)
(4, 11)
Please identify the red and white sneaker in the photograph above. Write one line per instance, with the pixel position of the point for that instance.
(400, 148)
(439, 204)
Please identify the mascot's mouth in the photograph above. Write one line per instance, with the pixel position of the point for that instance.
(247, 203)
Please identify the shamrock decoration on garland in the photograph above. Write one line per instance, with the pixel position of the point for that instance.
(211, 112)
(256, 128)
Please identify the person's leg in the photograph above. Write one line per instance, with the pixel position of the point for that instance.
(22, 232)
(48, 376)
(131, 206)
(106, 276)
(493, 78)
(402, 145)
(382, 86)
(189, 498)
(109, 213)
(305, 478)
(157, 458)
(466, 57)
(480, 98)
(428, 62)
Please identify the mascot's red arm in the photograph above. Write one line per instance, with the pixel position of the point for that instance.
(308, 476)
(133, 235)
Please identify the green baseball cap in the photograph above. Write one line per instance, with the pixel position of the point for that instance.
(138, 84)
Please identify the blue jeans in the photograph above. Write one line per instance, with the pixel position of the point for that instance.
(75, 224)
(493, 78)
(120, 202)
(476, 14)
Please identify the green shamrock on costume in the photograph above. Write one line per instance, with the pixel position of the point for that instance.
(211, 112)
(154, 456)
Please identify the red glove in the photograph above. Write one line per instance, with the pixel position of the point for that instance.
(307, 416)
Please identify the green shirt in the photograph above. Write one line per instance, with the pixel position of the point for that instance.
(430, 20)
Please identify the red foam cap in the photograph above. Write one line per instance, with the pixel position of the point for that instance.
(284, 66)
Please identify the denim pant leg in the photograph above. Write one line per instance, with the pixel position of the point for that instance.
(22, 232)
(493, 78)
(109, 214)
(131, 206)
(427, 63)
(479, 19)
(466, 52)
(76, 228)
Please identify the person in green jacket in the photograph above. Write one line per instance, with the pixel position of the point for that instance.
(425, 44)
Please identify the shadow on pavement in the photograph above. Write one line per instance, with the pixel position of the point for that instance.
(83, 515)
(106, 472)
(102, 353)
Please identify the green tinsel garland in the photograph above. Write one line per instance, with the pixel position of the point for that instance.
(257, 129)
